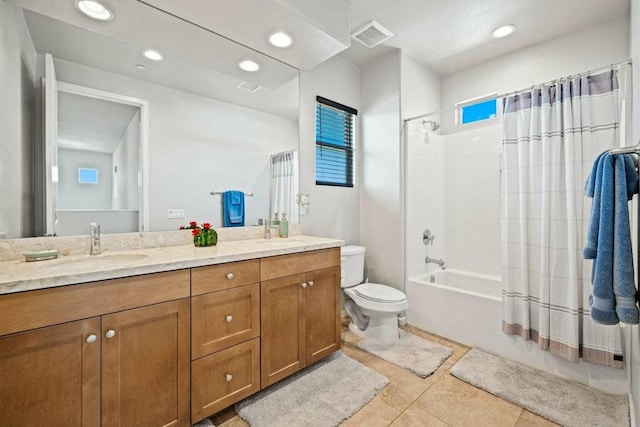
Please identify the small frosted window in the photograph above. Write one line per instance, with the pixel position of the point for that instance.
(87, 176)
(480, 111)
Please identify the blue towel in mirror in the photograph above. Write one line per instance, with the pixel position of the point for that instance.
(233, 208)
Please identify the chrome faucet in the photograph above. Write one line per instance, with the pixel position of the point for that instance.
(95, 239)
(440, 262)
(270, 229)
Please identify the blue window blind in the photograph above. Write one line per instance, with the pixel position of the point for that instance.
(476, 112)
(334, 143)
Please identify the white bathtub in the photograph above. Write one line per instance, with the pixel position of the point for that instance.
(459, 305)
(466, 307)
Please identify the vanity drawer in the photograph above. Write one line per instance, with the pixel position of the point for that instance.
(224, 378)
(224, 276)
(224, 318)
(34, 309)
(287, 265)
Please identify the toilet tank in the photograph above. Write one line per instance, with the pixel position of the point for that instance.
(352, 264)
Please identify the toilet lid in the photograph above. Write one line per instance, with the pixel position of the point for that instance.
(379, 293)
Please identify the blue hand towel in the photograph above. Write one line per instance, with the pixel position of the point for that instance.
(233, 208)
(592, 189)
(612, 182)
(624, 288)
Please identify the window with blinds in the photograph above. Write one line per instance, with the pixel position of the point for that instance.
(334, 143)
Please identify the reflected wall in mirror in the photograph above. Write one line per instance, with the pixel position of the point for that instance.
(206, 131)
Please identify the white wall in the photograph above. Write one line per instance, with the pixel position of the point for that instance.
(380, 212)
(422, 164)
(17, 94)
(600, 45)
(334, 211)
(634, 349)
(196, 145)
(72, 194)
(126, 158)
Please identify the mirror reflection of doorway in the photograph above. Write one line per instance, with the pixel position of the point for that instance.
(98, 153)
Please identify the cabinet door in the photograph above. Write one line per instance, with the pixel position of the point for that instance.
(322, 309)
(51, 376)
(282, 349)
(145, 366)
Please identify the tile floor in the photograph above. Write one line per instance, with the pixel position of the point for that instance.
(439, 400)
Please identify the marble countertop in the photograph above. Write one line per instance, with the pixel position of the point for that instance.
(19, 276)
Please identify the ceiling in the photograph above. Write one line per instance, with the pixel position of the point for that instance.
(198, 61)
(91, 124)
(450, 35)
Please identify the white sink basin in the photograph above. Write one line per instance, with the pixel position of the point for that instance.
(92, 260)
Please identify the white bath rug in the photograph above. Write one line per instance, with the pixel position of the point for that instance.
(321, 395)
(410, 352)
(562, 401)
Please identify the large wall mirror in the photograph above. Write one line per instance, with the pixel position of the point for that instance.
(109, 135)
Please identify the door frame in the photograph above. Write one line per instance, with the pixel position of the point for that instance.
(143, 165)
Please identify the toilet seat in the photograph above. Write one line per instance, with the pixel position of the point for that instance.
(379, 293)
(377, 300)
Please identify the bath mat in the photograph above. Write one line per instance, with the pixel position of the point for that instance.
(322, 395)
(410, 352)
(562, 401)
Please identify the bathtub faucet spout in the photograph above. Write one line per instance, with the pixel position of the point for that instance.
(440, 262)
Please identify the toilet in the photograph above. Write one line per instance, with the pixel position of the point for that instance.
(373, 307)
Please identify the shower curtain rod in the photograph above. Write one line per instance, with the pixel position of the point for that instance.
(502, 95)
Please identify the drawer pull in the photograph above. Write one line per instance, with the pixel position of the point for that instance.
(310, 282)
(228, 377)
(110, 333)
(92, 338)
(304, 285)
(229, 276)
(229, 319)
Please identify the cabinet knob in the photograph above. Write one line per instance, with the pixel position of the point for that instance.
(229, 319)
(310, 282)
(304, 285)
(228, 377)
(229, 276)
(110, 333)
(92, 338)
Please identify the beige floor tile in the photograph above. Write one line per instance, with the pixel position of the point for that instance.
(460, 404)
(528, 419)
(374, 414)
(229, 418)
(414, 416)
(357, 354)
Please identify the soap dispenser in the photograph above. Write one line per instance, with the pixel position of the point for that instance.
(284, 226)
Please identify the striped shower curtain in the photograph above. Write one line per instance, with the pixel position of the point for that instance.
(284, 185)
(551, 136)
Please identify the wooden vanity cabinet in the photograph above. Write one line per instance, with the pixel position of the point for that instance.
(300, 299)
(122, 358)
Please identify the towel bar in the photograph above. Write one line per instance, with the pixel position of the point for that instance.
(213, 193)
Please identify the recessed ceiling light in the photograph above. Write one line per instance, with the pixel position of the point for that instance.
(94, 9)
(503, 31)
(153, 55)
(280, 39)
(141, 67)
(249, 65)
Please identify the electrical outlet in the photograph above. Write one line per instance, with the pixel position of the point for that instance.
(175, 214)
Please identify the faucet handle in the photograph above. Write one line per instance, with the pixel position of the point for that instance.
(427, 237)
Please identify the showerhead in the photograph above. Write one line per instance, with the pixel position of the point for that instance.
(430, 125)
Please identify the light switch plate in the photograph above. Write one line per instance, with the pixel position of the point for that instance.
(175, 214)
